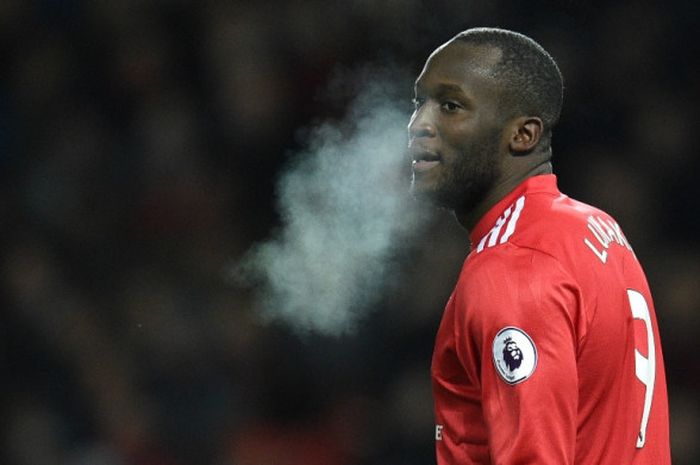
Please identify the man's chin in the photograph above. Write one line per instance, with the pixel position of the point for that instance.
(422, 191)
(431, 195)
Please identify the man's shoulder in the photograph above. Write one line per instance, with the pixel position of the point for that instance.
(553, 225)
(535, 217)
(553, 219)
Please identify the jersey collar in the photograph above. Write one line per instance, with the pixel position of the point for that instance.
(541, 183)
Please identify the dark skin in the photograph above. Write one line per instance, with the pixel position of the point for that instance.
(469, 149)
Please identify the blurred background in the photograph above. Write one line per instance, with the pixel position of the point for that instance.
(139, 146)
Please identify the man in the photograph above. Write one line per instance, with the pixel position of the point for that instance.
(548, 351)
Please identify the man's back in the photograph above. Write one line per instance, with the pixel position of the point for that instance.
(549, 350)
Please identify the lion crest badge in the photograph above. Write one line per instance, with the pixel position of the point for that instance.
(514, 355)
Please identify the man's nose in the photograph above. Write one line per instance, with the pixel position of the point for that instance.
(421, 124)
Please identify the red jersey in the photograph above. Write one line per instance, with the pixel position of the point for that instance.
(548, 351)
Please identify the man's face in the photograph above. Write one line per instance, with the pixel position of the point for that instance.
(455, 132)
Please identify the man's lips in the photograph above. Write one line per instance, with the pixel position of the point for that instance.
(424, 161)
(420, 166)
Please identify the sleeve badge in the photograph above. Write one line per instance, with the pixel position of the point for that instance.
(514, 355)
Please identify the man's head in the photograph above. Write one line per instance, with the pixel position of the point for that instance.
(529, 78)
(486, 102)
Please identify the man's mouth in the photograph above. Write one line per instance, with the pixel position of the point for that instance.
(425, 161)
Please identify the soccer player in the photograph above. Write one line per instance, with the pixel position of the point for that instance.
(548, 351)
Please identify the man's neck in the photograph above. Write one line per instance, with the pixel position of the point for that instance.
(469, 218)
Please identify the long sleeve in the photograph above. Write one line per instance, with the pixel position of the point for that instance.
(518, 321)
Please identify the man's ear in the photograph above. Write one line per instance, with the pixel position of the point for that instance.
(526, 134)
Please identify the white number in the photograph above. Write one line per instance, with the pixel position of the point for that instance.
(645, 368)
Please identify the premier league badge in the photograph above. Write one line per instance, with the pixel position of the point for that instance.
(514, 355)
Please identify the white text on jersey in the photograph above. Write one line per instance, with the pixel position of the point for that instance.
(605, 232)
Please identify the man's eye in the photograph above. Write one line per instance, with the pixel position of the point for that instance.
(417, 103)
(450, 106)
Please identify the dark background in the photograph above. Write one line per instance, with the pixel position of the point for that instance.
(139, 144)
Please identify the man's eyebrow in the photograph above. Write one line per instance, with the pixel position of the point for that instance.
(440, 89)
(444, 88)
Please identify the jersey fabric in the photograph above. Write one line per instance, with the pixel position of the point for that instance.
(548, 351)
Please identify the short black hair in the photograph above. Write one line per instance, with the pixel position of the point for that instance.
(531, 79)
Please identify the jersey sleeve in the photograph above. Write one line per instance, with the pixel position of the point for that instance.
(518, 327)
